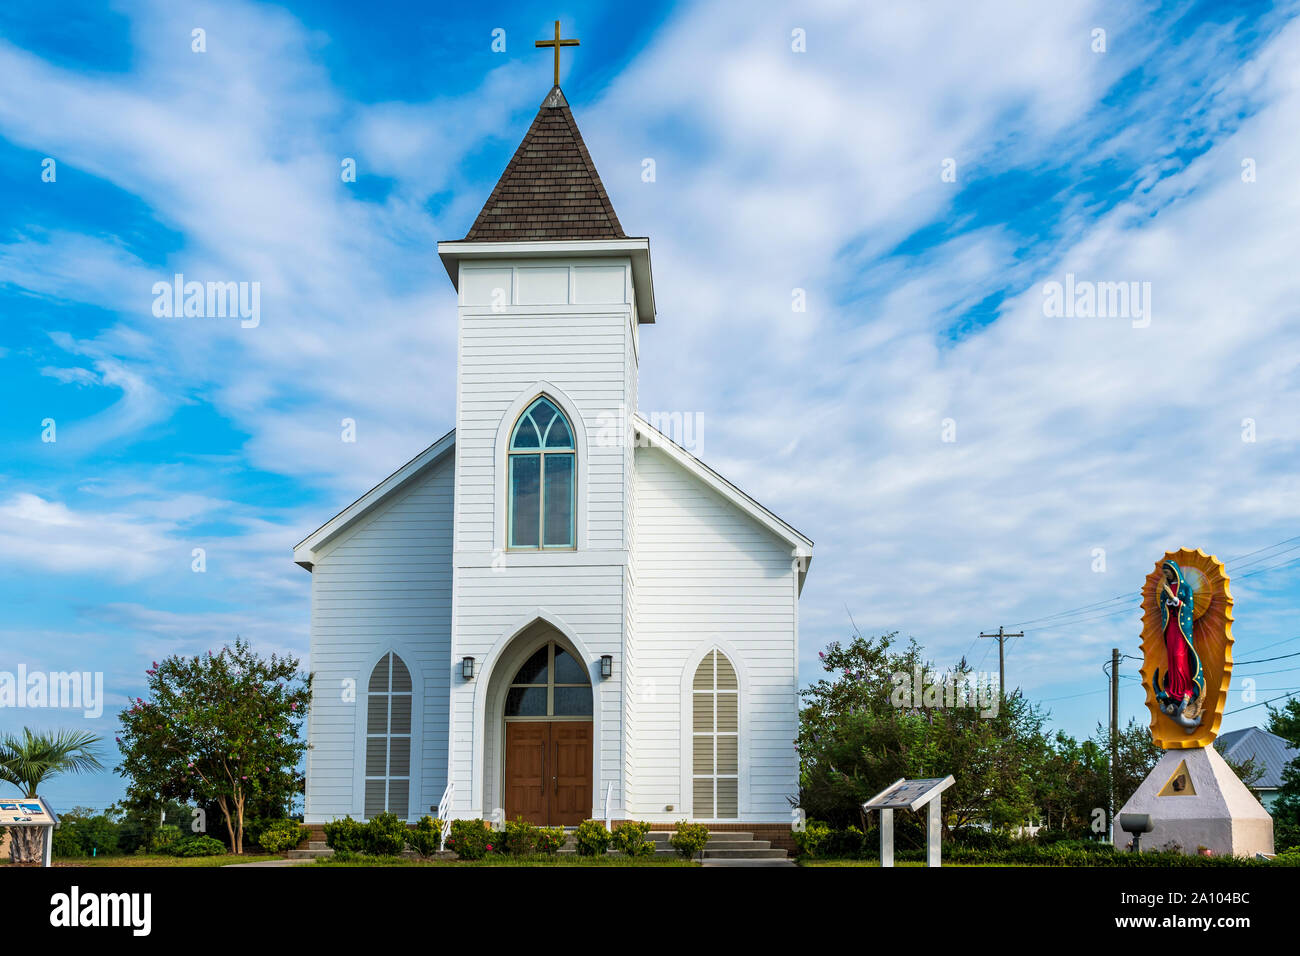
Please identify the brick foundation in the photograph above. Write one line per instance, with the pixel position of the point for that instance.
(778, 834)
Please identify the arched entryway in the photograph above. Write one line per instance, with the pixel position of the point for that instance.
(544, 705)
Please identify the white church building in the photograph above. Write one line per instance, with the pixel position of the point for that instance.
(554, 611)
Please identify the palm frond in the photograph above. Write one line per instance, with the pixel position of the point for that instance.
(29, 760)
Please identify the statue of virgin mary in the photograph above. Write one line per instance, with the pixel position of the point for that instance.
(1180, 694)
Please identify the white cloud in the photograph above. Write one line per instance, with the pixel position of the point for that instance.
(775, 170)
(39, 533)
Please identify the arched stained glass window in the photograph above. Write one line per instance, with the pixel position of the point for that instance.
(715, 769)
(552, 683)
(542, 479)
(388, 739)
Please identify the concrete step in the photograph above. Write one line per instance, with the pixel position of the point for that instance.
(748, 854)
(309, 854)
(317, 845)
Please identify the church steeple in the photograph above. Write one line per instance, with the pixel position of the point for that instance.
(550, 190)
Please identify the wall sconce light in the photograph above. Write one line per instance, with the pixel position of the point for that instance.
(607, 665)
(467, 668)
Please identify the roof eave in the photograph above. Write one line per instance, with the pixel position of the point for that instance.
(801, 544)
(636, 248)
(304, 552)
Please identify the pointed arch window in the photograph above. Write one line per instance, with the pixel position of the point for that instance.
(552, 684)
(388, 739)
(715, 751)
(542, 478)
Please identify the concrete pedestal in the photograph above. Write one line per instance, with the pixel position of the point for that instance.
(1195, 800)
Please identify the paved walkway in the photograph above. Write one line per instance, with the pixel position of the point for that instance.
(235, 866)
(747, 863)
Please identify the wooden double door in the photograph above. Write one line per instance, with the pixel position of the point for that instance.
(548, 771)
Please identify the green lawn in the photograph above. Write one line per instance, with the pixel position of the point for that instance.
(155, 859)
(876, 863)
(494, 860)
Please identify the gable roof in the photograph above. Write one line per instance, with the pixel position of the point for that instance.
(1271, 752)
(801, 544)
(550, 189)
(304, 552)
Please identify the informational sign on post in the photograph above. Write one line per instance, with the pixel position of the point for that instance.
(31, 812)
(910, 795)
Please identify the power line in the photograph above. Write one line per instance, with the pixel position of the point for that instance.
(1085, 620)
(1260, 550)
(1282, 670)
(1260, 704)
(1267, 557)
(1265, 660)
(1086, 607)
(1284, 564)
(1098, 605)
(1285, 640)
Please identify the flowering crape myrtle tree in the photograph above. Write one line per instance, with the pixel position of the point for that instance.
(221, 729)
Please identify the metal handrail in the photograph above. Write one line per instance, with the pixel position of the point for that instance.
(444, 814)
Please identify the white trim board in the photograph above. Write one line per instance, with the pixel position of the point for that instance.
(453, 252)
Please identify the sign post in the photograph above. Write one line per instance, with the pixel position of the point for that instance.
(31, 812)
(905, 794)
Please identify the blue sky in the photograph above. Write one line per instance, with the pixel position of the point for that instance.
(775, 170)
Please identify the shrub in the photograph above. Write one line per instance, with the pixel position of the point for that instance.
(66, 841)
(277, 836)
(346, 835)
(471, 839)
(199, 846)
(813, 839)
(550, 839)
(424, 836)
(689, 839)
(520, 838)
(630, 839)
(83, 833)
(981, 839)
(165, 838)
(849, 842)
(385, 835)
(593, 839)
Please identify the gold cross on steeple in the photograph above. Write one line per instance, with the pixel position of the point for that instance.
(557, 43)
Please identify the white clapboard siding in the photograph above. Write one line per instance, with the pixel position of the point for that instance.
(583, 354)
(582, 349)
(492, 606)
(707, 574)
(383, 584)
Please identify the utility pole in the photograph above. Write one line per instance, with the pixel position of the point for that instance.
(1114, 737)
(1002, 636)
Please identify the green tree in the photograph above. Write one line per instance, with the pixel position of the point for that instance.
(1138, 755)
(1285, 722)
(1070, 782)
(30, 760)
(857, 736)
(221, 729)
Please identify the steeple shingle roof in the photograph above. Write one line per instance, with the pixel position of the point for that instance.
(550, 189)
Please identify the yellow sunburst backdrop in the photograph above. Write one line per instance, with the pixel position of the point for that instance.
(1211, 634)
